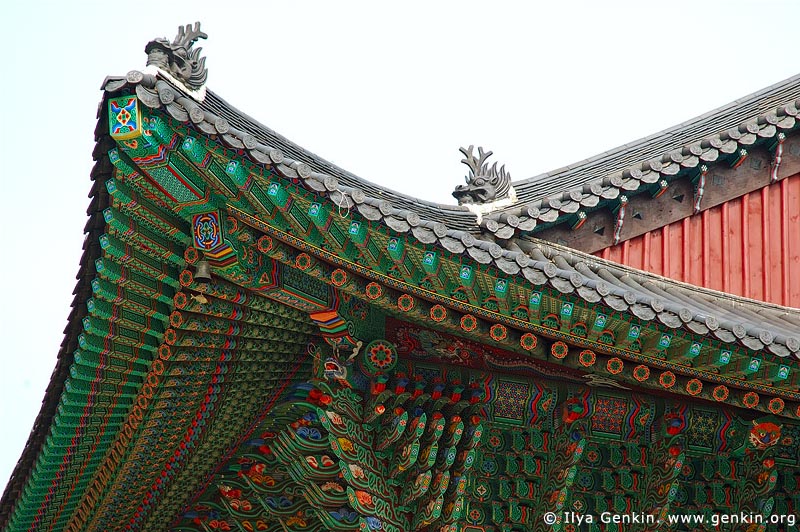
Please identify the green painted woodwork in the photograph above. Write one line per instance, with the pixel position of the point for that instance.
(173, 387)
(278, 195)
(693, 351)
(577, 450)
(752, 366)
(124, 118)
(390, 299)
(780, 372)
(722, 358)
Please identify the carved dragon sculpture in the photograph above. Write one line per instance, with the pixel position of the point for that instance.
(178, 59)
(484, 183)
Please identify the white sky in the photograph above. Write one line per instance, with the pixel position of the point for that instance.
(389, 93)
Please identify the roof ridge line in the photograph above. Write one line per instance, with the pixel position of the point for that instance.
(623, 147)
(429, 230)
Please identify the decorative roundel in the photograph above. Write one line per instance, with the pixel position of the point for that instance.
(176, 319)
(587, 358)
(191, 255)
(498, 332)
(483, 489)
(338, 277)
(750, 399)
(405, 302)
(180, 299)
(265, 244)
(585, 480)
(468, 322)
(614, 365)
(186, 278)
(528, 341)
(158, 366)
(694, 387)
(559, 350)
(641, 373)
(476, 515)
(667, 379)
(164, 351)
(720, 393)
(170, 336)
(496, 442)
(776, 405)
(373, 291)
(379, 356)
(206, 230)
(592, 456)
(489, 466)
(438, 313)
(303, 261)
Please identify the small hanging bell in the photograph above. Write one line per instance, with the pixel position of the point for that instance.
(203, 272)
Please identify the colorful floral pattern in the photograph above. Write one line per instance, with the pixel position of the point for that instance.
(405, 302)
(667, 379)
(615, 365)
(498, 332)
(694, 387)
(528, 341)
(468, 322)
(750, 399)
(303, 261)
(587, 358)
(379, 356)
(338, 277)
(720, 393)
(438, 313)
(373, 291)
(776, 405)
(559, 350)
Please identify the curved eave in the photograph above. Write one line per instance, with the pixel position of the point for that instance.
(59, 498)
(647, 297)
(242, 127)
(82, 292)
(706, 312)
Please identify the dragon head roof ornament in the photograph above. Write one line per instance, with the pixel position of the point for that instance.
(177, 60)
(487, 187)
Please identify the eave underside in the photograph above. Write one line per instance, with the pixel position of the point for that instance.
(622, 288)
(174, 374)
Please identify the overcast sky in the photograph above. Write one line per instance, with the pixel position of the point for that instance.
(389, 93)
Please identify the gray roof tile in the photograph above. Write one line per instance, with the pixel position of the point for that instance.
(624, 289)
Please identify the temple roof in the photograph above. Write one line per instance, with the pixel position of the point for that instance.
(649, 297)
(649, 165)
(696, 141)
(634, 295)
(242, 125)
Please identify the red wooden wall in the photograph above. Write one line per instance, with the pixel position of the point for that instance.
(749, 246)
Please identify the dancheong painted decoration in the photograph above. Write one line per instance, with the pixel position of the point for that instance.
(262, 341)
